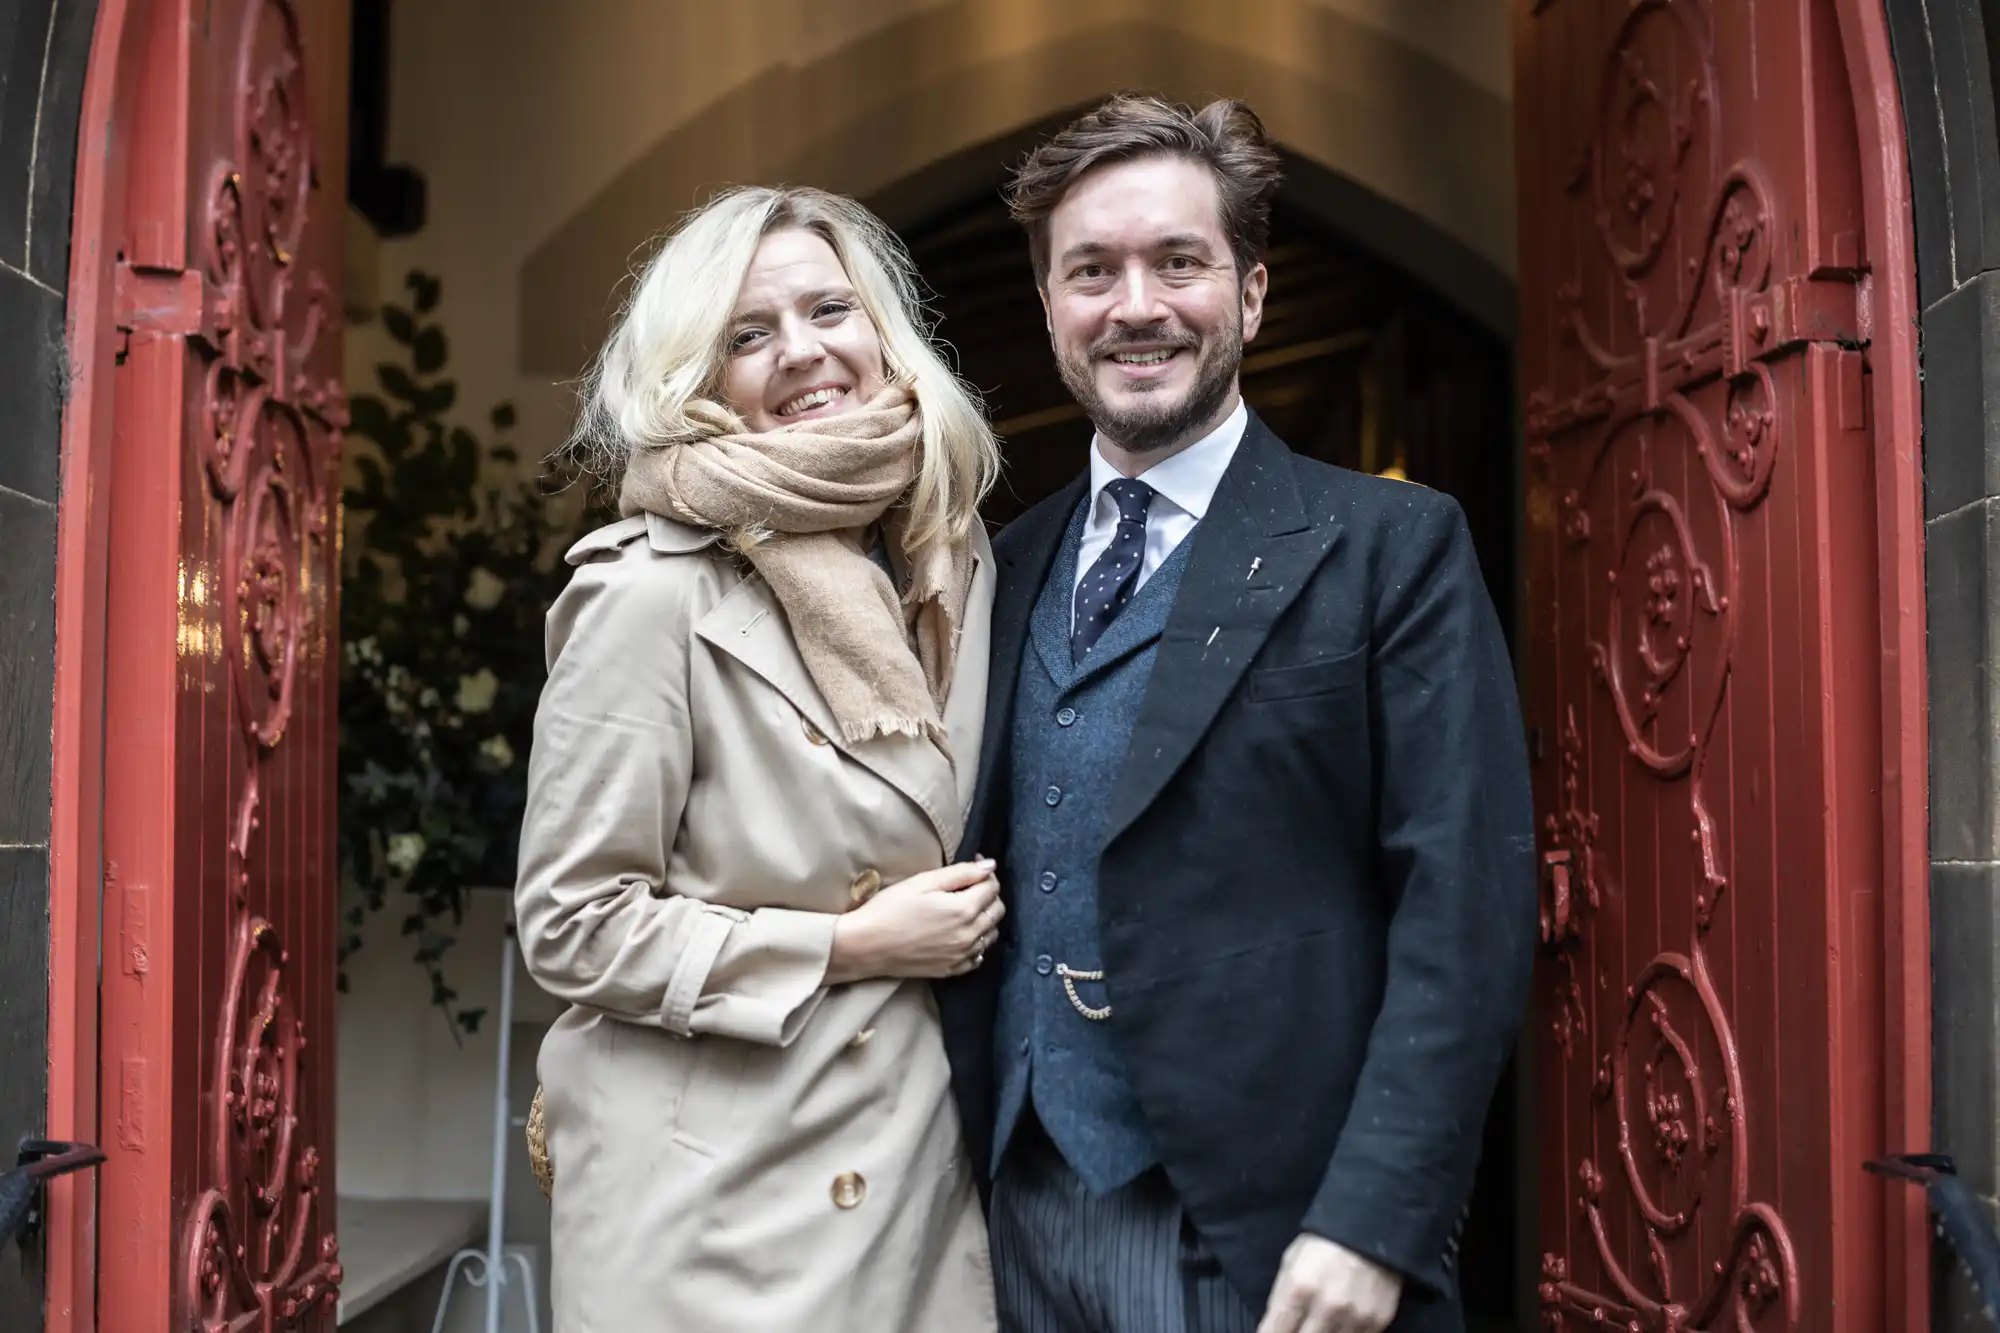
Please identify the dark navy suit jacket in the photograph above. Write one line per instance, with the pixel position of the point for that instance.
(1317, 888)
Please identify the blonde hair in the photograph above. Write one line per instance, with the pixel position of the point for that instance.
(655, 382)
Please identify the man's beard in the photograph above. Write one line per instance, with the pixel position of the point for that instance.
(1154, 422)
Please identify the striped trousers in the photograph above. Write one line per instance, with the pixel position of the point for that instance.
(1067, 1261)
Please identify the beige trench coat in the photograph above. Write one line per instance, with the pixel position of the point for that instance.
(737, 1147)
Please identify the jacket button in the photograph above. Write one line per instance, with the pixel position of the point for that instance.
(1052, 797)
(860, 1039)
(813, 733)
(1048, 881)
(866, 885)
(1065, 717)
(849, 1189)
(1045, 964)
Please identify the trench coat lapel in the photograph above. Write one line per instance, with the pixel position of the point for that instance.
(1250, 558)
(1032, 546)
(750, 626)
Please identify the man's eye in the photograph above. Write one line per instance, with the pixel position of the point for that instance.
(1181, 262)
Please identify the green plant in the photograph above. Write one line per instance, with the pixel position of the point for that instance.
(450, 564)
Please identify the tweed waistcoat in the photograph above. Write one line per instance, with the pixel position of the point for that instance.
(1072, 724)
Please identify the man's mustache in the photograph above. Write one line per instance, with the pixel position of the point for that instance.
(1144, 337)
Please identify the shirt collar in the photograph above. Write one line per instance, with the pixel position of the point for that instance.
(1188, 479)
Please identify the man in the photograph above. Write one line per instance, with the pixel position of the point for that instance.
(1255, 775)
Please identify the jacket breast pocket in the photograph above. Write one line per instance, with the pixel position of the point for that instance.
(1308, 680)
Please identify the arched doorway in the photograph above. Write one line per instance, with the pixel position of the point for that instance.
(196, 880)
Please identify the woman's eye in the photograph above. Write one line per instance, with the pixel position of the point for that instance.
(830, 309)
(744, 339)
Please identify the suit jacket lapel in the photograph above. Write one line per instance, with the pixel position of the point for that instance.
(1021, 572)
(1250, 558)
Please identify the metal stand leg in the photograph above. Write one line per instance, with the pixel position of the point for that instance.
(488, 1268)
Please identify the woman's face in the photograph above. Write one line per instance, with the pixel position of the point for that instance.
(799, 345)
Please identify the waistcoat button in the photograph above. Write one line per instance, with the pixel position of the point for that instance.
(849, 1189)
(1044, 964)
(1052, 797)
(1048, 881)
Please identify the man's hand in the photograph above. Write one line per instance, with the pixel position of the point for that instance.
(1325, 1288)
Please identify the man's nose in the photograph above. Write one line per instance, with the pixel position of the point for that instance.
(1138, 301)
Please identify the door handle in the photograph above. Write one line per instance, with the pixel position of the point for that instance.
(41, 1160)
(1556, 908)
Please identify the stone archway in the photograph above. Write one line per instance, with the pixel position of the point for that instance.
(1401, 139)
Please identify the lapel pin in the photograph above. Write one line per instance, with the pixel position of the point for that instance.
(1256, 563)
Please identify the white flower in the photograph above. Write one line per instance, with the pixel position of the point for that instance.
(498, 750)
(405, 850)
(475, 692)
(485, 589)
(429, 698)
(459, 625)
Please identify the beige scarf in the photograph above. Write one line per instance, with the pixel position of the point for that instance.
(797, 501)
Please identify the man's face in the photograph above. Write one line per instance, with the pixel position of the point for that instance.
(1145, 308)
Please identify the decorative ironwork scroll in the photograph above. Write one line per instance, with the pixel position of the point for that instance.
(259, 1255)
(1645, 472)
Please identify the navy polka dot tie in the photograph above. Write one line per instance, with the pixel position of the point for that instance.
(1111, 580)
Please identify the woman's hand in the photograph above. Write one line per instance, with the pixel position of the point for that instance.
(936, 924)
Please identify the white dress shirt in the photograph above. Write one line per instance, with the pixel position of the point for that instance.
(1183, 486)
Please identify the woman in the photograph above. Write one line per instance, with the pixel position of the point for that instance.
(751, 762)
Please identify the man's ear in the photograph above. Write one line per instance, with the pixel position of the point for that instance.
(1254, 288)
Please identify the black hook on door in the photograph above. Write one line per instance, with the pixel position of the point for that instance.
(41, 1160)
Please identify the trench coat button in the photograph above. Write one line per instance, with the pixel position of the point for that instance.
(866, 885)
(849, 1189)
(1053, 796)
(1065, 717)
(813, 733)
(860, 1039)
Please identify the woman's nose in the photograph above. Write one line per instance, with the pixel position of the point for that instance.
(799, 347)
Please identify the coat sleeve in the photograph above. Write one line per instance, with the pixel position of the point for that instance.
(1455, 834)
(607, 782)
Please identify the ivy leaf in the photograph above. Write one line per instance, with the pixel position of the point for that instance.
(503, 416)
(428, 352)
(370, 494)
(398, 321)
(469, 1020)
(398, 383)
(436, 400)
(424, 290)
(369, 416)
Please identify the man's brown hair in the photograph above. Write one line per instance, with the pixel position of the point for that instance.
(1225, 136)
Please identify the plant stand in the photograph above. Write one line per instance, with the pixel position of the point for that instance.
(487, 1268)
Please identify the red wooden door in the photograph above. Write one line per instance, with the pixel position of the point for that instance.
(216, 980)
(1723, 682)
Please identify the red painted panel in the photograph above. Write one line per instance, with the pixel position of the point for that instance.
(201, 556)
(1722, 532)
